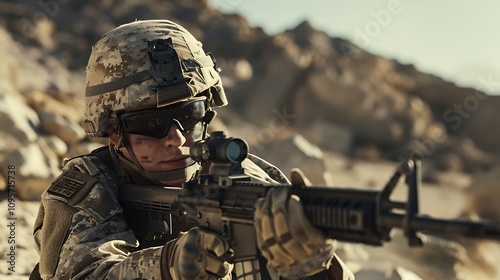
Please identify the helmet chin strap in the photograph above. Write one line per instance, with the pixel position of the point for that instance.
(187, 173)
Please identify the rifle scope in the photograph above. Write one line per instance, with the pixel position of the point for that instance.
(219, 149)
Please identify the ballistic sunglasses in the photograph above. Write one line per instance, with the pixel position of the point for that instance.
(157, 122)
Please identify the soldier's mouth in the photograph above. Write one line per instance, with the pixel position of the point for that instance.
(175, 162)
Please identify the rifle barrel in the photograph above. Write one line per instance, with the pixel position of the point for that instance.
(486, 229)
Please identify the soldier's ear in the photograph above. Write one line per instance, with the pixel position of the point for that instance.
(113, 136)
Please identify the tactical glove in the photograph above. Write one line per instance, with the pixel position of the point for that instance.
(197, 254)
(291, 245)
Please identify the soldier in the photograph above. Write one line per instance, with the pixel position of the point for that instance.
(151, 90)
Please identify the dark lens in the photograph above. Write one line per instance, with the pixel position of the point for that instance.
(190, 114)
(144, 123)
(188, 124)
(157, 122)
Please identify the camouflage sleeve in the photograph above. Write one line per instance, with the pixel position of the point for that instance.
(81, 233)
(259, 169)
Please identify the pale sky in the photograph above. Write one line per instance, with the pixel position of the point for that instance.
(458, 40)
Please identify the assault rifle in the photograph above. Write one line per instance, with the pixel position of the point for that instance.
(222, 200)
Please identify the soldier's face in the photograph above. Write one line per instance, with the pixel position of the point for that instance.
(162, 154)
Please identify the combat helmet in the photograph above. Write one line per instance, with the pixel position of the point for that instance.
(144, 65)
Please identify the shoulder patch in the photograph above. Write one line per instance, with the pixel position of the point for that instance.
(66, 186)
(71, 185)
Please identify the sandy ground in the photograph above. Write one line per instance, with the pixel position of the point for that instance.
(444, 201)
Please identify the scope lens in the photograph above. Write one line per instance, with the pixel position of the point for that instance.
(232, 151)
(235, 152)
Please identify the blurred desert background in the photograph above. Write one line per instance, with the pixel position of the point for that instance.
(300, 98)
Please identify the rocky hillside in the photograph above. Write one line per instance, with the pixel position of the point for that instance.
(324, 88)
(300, 90)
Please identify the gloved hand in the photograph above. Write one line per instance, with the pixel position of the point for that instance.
(197, 254)
(291, 245)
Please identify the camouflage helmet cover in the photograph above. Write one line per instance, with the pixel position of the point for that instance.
(146, 64)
